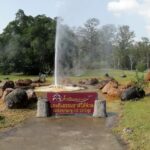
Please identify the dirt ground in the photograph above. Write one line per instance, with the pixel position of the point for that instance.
(61, 133)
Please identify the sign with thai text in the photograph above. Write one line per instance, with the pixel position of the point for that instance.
(72, 102)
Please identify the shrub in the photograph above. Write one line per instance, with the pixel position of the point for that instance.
(140, 67)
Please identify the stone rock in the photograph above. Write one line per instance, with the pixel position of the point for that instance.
(17, 99)
(83, 81)
(25, 82)
(7, 84)
(36, 80)
(132, 93)
(147, 77)
(109, 85)
(31, 96)
(34, 85)
(114, 92)
(93, 81)
(102, 83)
(6, 92)
(1, 92)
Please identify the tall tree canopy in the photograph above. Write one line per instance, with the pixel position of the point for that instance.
(27, 44)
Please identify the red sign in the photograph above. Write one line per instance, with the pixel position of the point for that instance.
(72, 103)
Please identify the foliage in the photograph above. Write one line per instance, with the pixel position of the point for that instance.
(140, 67)
(27, 44)
(139, 81)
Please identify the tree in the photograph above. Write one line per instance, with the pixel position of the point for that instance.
(107, 34)
(131, 55)
(124, 42)
(27, 44)
(88, 41)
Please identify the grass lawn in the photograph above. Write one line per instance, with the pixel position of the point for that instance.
(136, 116)
(15, 77)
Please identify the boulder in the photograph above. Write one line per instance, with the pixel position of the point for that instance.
(32, 98)
(7, 84)
(34, 85)
(93, 81)
(102, 83)
(6, 92)
(109, 85)
(17, 99)
(114, 92)
(147, 77)
(132, 93)
(25, 82)
(36, 80)
(86, 81)
(1, 92)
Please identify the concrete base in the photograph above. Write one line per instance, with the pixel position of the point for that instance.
(43, 108)
(100, 109)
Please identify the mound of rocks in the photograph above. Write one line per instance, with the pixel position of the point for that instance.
(7, 84)
(25, 82)
(102, 84)
(92, 81)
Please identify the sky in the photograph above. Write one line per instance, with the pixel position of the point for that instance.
(135, 13)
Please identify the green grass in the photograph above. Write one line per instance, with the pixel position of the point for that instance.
(97, 73)
(113, 73)
(136, 115)
(15, 77)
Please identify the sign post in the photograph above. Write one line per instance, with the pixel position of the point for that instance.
(72, 102)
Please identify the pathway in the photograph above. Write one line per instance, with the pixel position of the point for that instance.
(64, 133)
